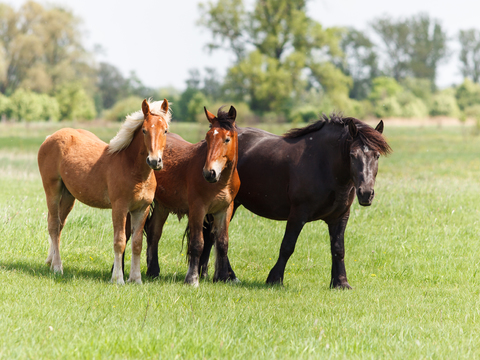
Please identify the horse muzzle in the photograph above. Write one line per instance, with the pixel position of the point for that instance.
(155, 164)
(365, 197)
(211, 175)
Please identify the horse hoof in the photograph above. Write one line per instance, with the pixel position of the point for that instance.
(345, 286)
(57, 269)
(192, 282)
(118, 281)
(273, 280)
(136, 281)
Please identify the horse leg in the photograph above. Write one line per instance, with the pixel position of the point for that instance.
(195, 244)
(138, 222)
(154, 229)
(295, 225)
(128, 233)
(208, 242)
(60, 202)
(337, 232)
(119, 217)
(220, 235)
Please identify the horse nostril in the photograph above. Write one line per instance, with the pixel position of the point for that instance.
(213, 174)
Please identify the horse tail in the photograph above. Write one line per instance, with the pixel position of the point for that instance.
(148, 220)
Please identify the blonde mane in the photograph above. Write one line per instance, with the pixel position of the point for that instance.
(132, 123)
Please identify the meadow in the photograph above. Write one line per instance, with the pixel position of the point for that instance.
(412, 258)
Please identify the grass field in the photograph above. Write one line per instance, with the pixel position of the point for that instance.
(412, 258)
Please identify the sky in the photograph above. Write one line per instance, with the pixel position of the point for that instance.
(161, 41)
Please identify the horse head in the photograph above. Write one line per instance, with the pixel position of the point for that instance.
(222, 143)
(364, 157)
(155, 128)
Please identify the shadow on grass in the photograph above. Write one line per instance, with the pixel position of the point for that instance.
(41, 270)
(179, 277)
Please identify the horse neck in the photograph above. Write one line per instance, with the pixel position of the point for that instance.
(340, 158)
(231, 167)
(136, 155)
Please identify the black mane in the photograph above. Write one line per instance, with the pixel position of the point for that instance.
(366, 134)
(226, 122)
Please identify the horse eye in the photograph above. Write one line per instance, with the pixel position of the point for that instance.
(227, 140)
(144, 130)
(166, 131)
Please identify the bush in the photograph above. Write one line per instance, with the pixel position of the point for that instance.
(467, 94)
(411, 106)
(4, 106)
(389, 107)
(195, 111)
(50, 108)
(24, 105)
(123, 108)
(383, 88)
(444, 104)
(74, 103)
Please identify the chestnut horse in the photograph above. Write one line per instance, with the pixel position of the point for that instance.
(308, 174)
(198, 179)
(75, 164)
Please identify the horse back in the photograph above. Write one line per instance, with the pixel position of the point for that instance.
(278, 174)
(77, 158)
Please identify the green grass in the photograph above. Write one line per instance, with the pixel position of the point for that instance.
(412, 258)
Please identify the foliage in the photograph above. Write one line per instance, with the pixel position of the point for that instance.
(360, 62)
(123, 108)
(414, 46)
(467, 94)
(290, 50)
(26, 105)
(384, 87)
(40, 48)
(74, 103)
(444, 104)
(470, 54)
(195, 107)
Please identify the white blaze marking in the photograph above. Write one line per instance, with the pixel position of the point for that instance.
(365, 149)
(215, 132)
(153, 125)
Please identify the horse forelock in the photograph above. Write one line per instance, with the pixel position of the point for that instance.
(368, 136)
(225, 121)
(132, 122)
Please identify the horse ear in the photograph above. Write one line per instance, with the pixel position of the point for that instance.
(352, 129)
(232, 113)
(379, 127)
(145, 107)
(209, 115)
(165, 105)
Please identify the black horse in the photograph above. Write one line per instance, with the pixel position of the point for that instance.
(308, 174)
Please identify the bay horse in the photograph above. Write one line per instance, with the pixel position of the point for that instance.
(308, 174)
(75, 164)
(198, 179)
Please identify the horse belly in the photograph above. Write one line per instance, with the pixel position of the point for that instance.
(83, 175)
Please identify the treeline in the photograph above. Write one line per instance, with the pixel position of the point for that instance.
(287, 67)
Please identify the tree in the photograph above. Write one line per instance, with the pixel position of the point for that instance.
(470, 54)
(111, 85)
(413, 47)
(360, 62)
(279, 51)
(41, 49)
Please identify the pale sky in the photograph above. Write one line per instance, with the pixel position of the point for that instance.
(160, 40)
